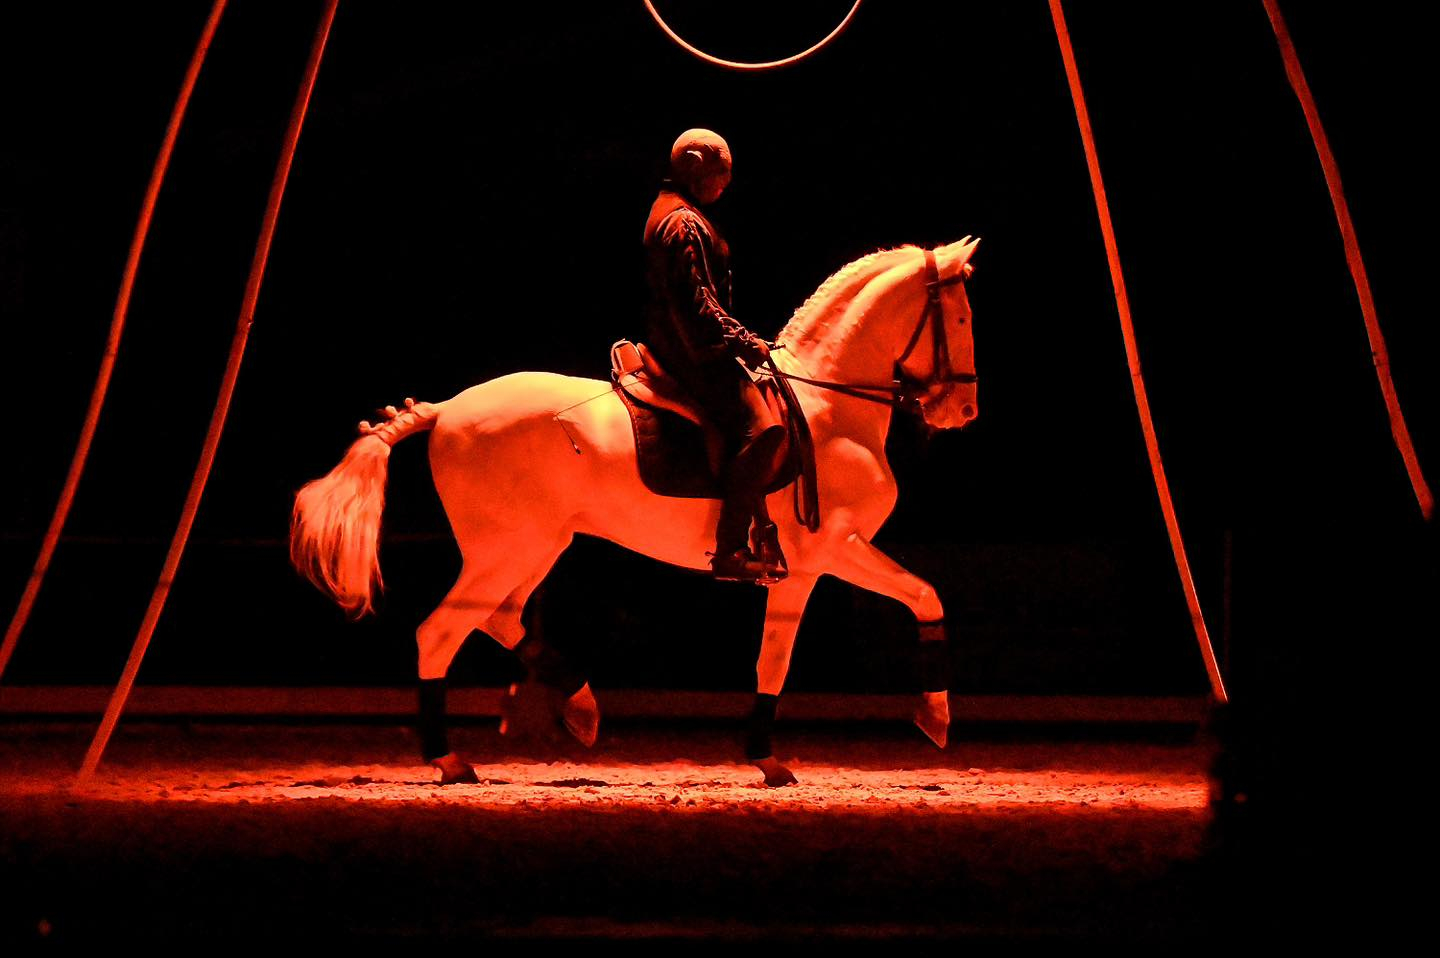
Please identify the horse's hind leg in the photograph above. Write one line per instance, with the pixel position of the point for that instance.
(468, 604)
(483, 587)
(579, 711)
(490, 595)
(439, 637)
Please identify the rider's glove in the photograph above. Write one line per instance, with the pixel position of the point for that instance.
(755, 351)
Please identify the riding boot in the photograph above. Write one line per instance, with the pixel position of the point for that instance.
(733, 561)
(743, 483)
(765, 543)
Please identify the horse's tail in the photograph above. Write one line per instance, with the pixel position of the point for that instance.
(335, 526)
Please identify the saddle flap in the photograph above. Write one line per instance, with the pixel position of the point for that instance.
(674, 458)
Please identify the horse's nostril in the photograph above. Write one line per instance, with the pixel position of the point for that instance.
(968, 411)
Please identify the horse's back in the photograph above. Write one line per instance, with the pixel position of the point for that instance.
(529, 456)
(500, 404)
(504, 451)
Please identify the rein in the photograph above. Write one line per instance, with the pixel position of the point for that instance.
(904, 392)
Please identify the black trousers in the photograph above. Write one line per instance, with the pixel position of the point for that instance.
(751, 434)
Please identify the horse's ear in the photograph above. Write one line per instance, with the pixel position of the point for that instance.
(963, 250)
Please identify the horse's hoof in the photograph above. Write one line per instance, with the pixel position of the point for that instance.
(933, 717)
(454, 770)
(582, 716)
(776, 775)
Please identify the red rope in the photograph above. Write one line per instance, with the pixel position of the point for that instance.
(1127, 328)
(112, 345)
(1378, 353)
(222, 403)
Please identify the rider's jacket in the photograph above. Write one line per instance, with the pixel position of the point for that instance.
(688, 268)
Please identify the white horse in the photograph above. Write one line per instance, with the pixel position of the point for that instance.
(518, 483)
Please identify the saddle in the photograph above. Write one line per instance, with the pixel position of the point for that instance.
(677, 449)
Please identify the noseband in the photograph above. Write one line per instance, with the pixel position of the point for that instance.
(906, 391)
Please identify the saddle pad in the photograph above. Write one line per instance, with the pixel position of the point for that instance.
(672, 458)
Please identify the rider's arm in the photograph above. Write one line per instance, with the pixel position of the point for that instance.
(715, 333)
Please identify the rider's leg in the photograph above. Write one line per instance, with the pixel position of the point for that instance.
(743, 483)
(765, 540)
(752, 439)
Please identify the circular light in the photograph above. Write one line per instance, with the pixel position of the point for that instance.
(740, 64)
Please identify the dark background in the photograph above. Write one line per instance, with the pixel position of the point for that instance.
(467, 201)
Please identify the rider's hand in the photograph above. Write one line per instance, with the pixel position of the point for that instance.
(756, 351)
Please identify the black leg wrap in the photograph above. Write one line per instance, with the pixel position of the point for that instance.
(433, 740)
(759, 726)
(548, 666)
(934, 657)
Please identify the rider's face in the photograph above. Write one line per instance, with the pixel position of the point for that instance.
(712, 183)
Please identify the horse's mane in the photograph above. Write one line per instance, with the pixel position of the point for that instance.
(835, 291)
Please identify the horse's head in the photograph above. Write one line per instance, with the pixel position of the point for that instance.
(937, 364)
(882, 316)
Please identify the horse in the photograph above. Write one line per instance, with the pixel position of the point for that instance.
(518, 480)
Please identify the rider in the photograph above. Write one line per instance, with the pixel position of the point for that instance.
(697, 341)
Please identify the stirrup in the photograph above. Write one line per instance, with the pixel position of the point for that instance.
(742, 566)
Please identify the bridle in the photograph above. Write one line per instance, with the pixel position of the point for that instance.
(911, 388)
(903, 392)
(906, 391)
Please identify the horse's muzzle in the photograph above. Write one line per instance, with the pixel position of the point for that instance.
(953, 408)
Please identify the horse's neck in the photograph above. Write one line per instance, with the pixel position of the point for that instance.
(856, 345)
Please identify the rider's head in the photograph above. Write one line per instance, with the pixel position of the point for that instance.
(700, 163)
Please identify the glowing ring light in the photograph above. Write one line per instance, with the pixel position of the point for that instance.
(740, 65)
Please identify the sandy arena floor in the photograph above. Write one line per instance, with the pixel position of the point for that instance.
(336, 833)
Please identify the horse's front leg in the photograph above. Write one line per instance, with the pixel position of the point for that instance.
(858, 562)
(784, 606)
